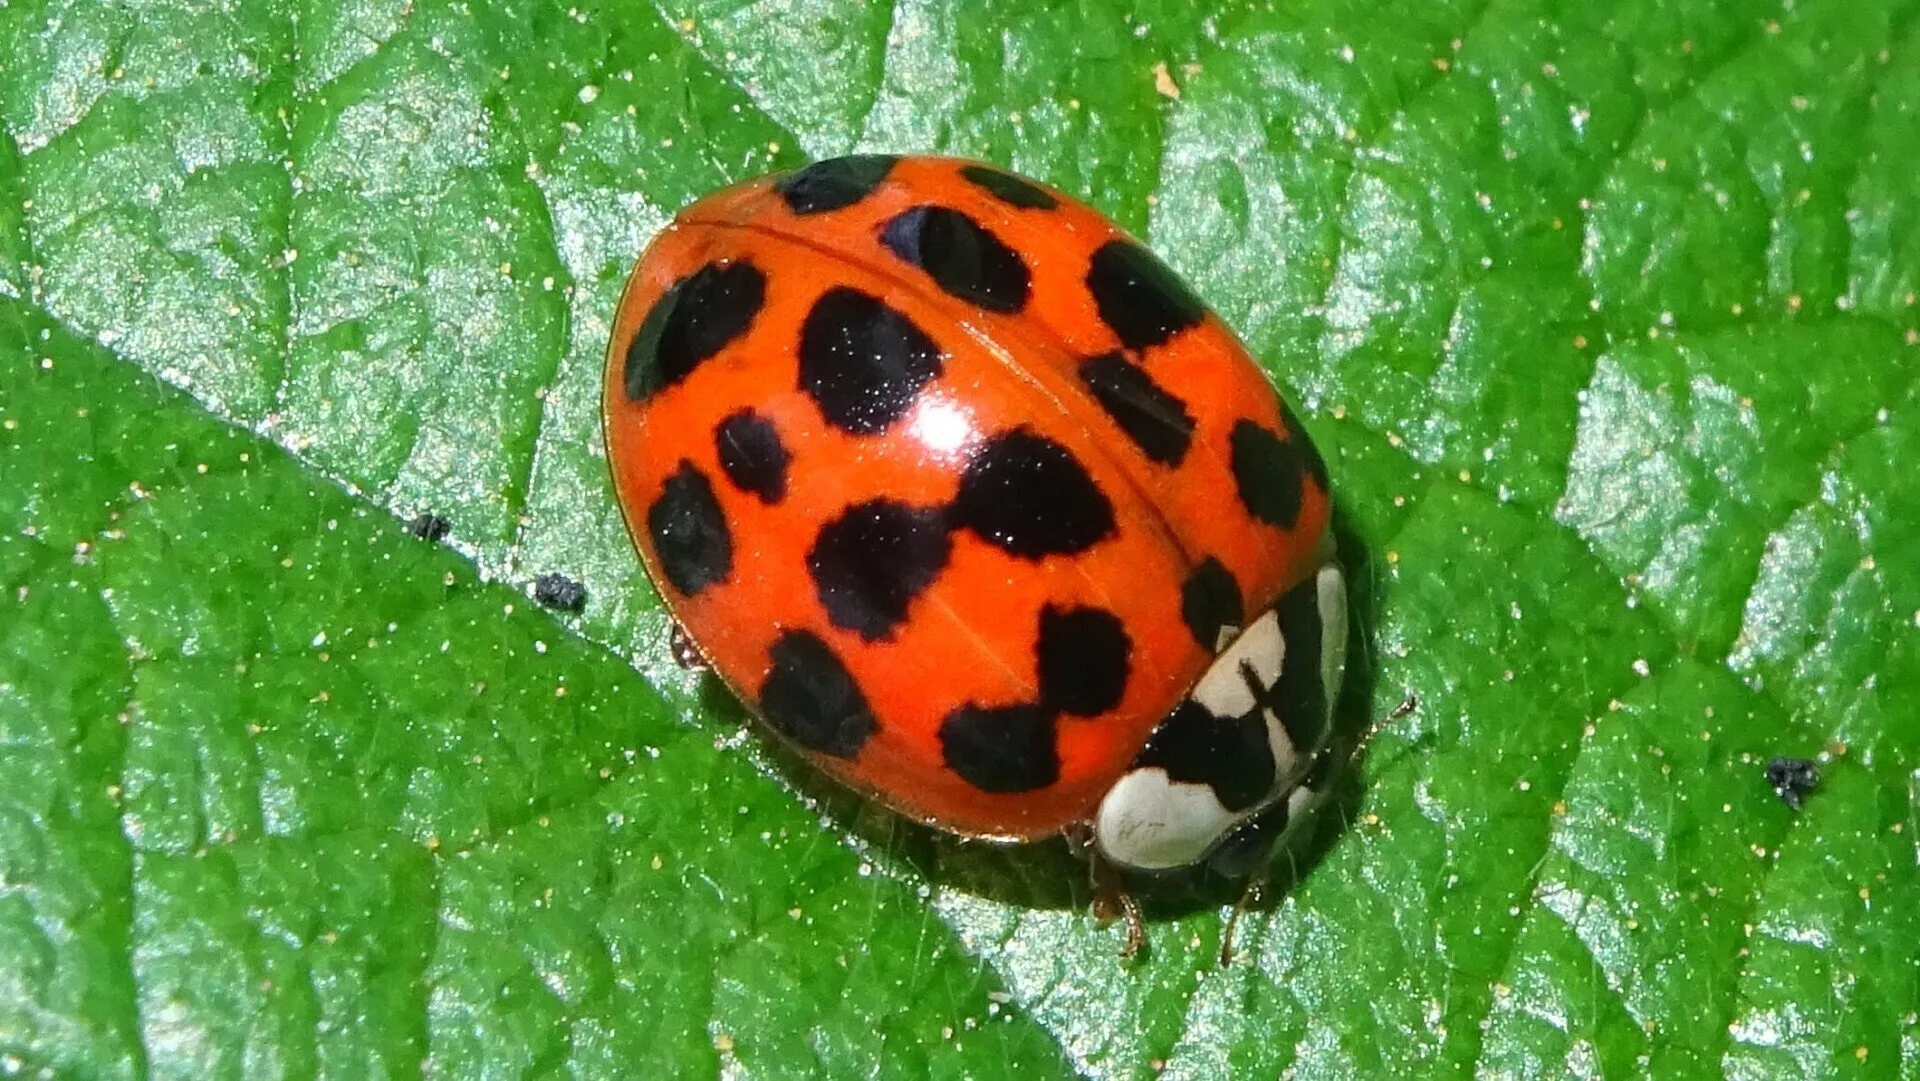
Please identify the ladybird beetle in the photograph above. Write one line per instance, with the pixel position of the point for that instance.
(973, 502)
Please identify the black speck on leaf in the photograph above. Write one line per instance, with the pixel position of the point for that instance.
(1793, 780)
(429, 526)
(560, 592)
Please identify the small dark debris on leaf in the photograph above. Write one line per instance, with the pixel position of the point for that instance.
(1793, 779)
(429, 526)
(559, 591)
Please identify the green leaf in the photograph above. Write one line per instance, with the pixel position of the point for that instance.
(1604, 317)
(289, 791)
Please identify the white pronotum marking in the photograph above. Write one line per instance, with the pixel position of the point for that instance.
(1150, 822)
(1223, 688)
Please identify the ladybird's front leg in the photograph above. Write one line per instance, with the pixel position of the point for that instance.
(1249, 896)
(1111, 898)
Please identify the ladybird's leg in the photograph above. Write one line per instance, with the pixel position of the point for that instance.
(1249, 850)
(1249, 894)
(1406, 706)
(1111, 898)
(685, 653)
(1248, 854)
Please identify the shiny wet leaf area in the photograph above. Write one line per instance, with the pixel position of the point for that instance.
(1605, 320)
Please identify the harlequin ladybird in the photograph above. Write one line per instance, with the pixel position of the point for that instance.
(972, 501)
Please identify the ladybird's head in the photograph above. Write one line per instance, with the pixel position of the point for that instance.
(1236, 760)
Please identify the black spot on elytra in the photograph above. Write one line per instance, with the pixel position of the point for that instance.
(752, 456)
(696, 317)
(1010, 189)
(1268, 472)
(961, 256)
(689, 532)
(1227, 754)
(869, 563)
(1299, 696)
(1138, 296)
(862, 362)
(559, 592)
(1001, 748)
(1085, 656)
(812, 699)
(1030, 497)
(1156, 421)
(1316, 466)
(834, 183)
(1209, 602)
